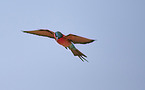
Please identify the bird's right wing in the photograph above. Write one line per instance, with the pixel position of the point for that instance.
(78, 39)
(42, 32)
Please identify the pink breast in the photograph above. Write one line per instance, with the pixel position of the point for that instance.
(64, 42)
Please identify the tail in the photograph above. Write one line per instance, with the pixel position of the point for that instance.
(76, 52)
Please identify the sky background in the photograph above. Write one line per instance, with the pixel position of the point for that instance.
(116, 59)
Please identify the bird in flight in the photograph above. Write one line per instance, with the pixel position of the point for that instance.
(67, 41)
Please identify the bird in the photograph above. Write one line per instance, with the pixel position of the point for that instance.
(66, 41)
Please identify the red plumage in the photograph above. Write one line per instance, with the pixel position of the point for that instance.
(66, 41)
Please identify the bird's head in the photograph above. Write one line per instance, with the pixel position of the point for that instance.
(58, 35)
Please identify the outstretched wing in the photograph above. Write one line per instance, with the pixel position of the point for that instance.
(78, 39)
(42, 32)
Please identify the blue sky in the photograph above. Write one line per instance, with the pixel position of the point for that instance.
(116, 59)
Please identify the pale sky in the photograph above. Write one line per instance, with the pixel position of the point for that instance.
(116, 59)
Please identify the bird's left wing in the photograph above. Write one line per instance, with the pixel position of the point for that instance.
(78, 39)
(42, 32)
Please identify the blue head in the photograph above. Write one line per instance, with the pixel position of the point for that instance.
(58, 35)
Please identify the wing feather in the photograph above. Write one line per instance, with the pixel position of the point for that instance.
(78, 39)
(42, 32)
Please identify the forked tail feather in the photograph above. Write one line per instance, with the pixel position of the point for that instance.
(76, 52)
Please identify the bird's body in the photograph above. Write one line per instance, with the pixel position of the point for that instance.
(66, 41)
(63, 41)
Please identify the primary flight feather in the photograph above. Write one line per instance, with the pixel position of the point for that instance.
(66, 41)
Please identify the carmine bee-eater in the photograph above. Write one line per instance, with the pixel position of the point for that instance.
(66, 41)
